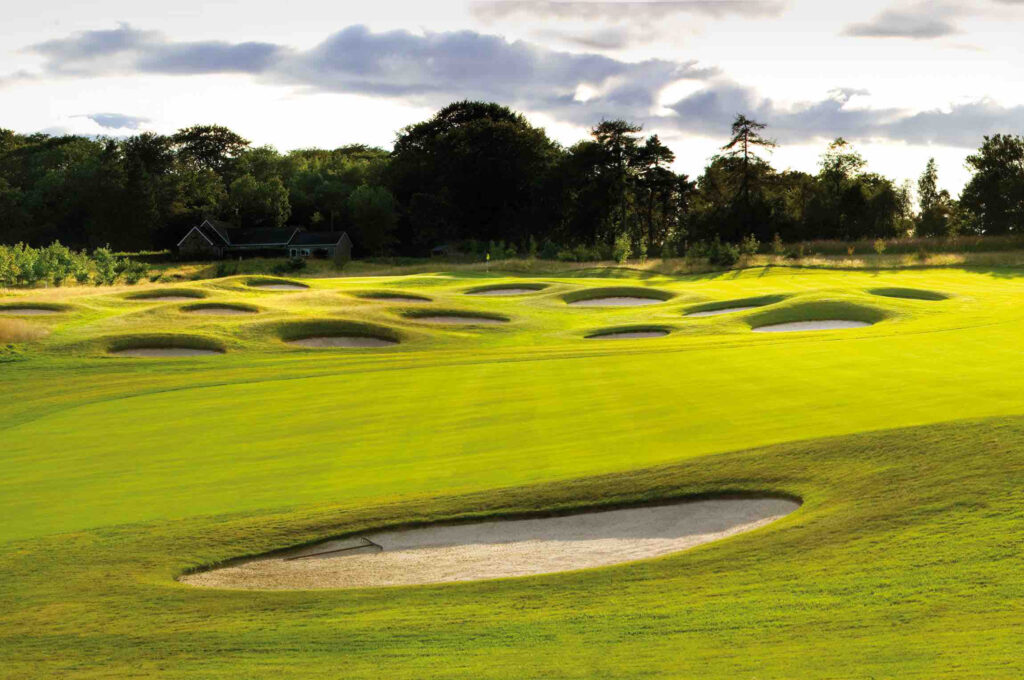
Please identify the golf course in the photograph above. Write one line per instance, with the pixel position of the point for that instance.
(153, 434)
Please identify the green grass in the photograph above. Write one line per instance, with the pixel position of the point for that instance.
(904, 440)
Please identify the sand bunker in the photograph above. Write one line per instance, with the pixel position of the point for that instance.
(498, 549)
(459, 320)
(617, 301)
(163, 352)
(328, 341)
(823, 325)
(167, 298)
(29, 311)
(219, 310)
(717, 312)
(628, 335)
(500, 292)
(278, 286)
(397, 298)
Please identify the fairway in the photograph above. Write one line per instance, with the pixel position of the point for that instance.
(259, 414)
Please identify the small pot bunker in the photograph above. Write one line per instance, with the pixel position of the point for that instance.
(816, 316)
(338, 335)
(481, 550)
(164, 347)
(617, 297)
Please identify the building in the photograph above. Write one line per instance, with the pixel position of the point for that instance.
(214, 239)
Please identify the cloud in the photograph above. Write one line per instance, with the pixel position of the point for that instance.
(920, 23)
(116, 121)
(618, 11)
(127, 50)
(437, 68)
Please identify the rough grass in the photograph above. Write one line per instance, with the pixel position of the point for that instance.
(16, 331)
(904, 562)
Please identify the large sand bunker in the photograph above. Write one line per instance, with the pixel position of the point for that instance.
(822, 325)
(499, 549)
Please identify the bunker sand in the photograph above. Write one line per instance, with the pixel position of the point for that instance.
(499, 549)
(617, 301)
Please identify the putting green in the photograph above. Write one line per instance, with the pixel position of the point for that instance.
(117, 475)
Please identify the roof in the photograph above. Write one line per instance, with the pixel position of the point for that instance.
(221, 229)
(262, 237)
(317, 238)
(213, 235)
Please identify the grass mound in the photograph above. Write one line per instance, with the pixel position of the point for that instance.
(617, 292)
(909, 294)
(164, 341)
(760, 301)
(498, 287)
(392, 295)
(621, 330)
(236, 306)
(14, 307)
(269, 282)
(167, 293)
(425, 314)
(825, 310)
(320, 328)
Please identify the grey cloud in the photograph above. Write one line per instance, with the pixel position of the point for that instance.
(619, 11)
(116, 121)
(925, 21)
(126, 49)
(437, 68)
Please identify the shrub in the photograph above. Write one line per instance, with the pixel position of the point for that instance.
(292, 264)
(723, 254)
(879, 246)
(108, 266)
(778, 247)
(623, 249)
(749, 245)
(133, 271)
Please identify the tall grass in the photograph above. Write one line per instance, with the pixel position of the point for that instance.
(15, 331)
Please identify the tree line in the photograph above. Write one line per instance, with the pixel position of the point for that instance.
(478, 175)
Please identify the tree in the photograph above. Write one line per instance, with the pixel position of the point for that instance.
(212, 147)
(743, 146)
(840, 165)
(373, 218)
(259, 204)
(994, 197)
(937, 209)
(478, 168)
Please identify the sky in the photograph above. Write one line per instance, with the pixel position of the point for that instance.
(903, 81)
